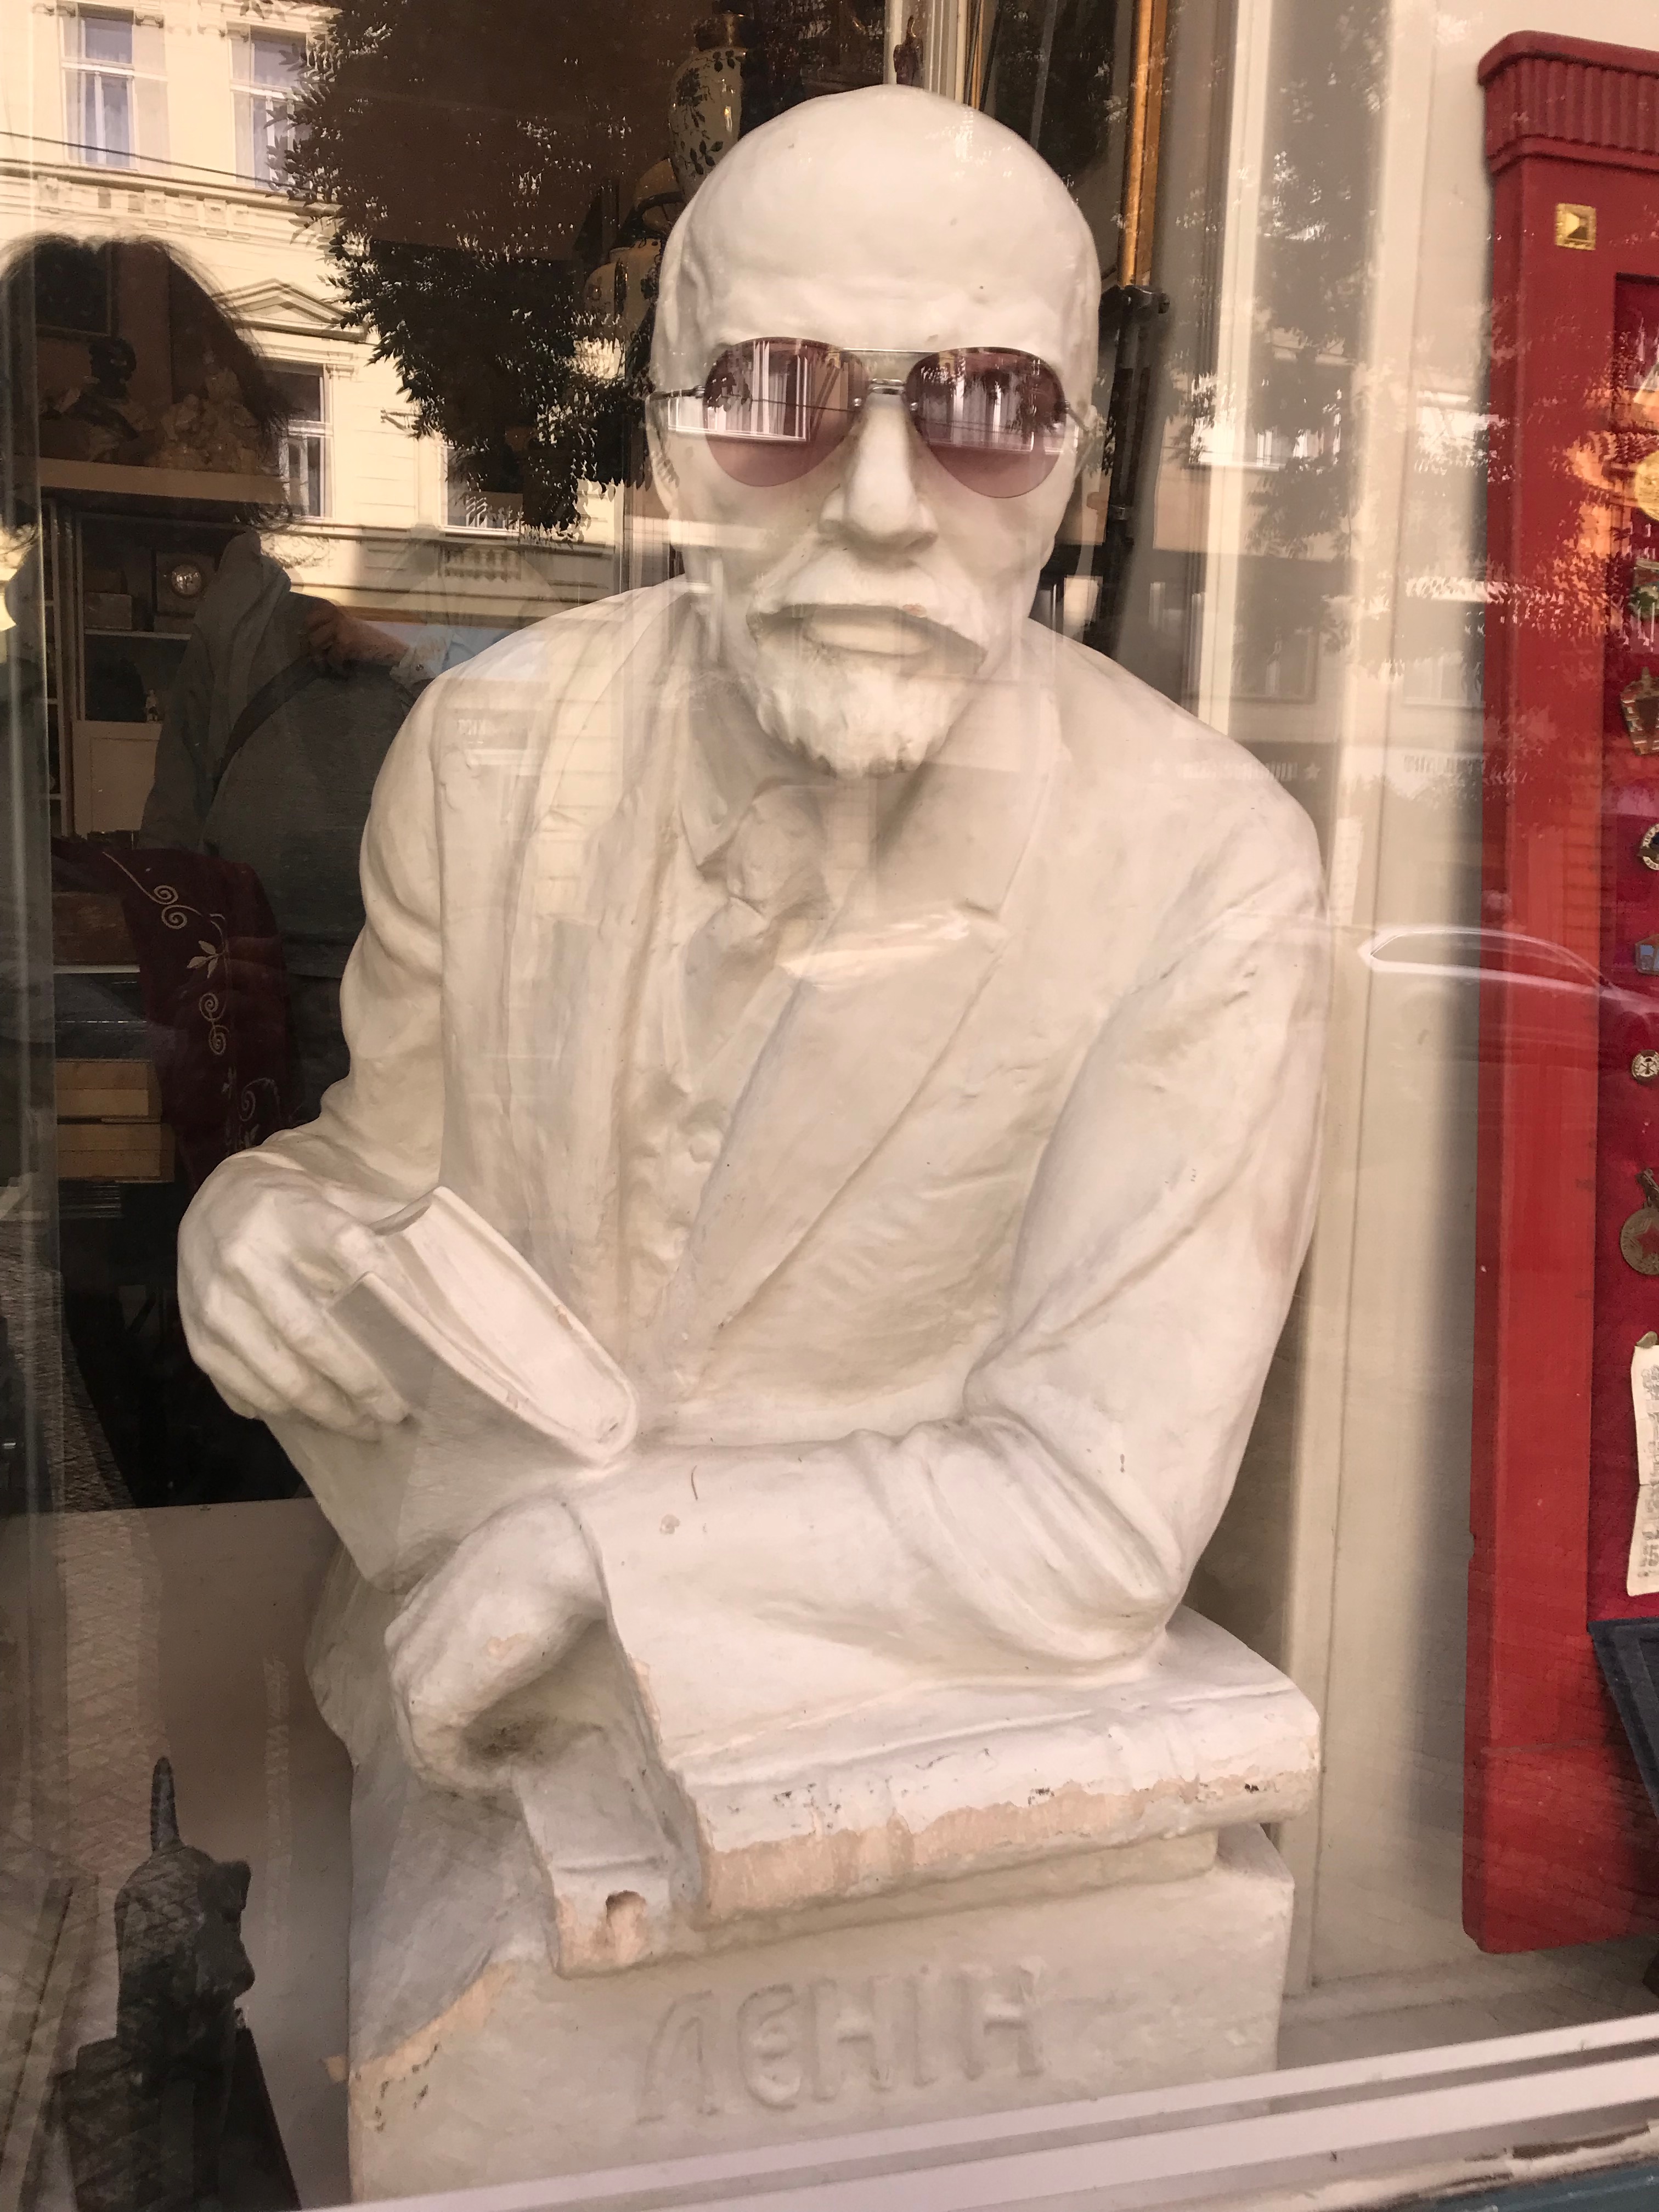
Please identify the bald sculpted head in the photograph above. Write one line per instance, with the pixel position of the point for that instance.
(857, 605)
(905, 219)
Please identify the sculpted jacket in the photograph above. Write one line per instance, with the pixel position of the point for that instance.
(954, 1372)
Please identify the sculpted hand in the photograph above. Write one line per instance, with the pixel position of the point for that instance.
(502, 1611)
(261, 1254)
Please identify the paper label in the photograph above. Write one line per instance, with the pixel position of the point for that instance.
(1641, 1577)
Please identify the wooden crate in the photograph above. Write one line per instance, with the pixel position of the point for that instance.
(115, 1152)
(88, 930)
(108, 1090)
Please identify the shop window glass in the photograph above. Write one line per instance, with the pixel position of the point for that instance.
(829, 1102)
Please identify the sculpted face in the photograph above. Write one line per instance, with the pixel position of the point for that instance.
(858, 606)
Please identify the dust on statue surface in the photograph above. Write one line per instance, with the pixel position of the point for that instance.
(868, 1051)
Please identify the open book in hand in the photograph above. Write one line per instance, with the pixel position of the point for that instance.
(445, 1284)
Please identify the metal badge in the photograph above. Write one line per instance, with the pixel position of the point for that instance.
(1575, 225)
(1647, 848)
(1644, 1066)
(1638, 1239)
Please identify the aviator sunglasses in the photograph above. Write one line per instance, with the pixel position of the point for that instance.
(772, 409)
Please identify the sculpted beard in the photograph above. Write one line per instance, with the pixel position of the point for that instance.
(849, 713)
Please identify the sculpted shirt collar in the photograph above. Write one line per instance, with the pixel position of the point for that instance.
(729, 763)
(960, 823)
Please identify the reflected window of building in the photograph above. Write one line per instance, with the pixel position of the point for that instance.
(268, 68)
(1281, 665)
(115, 96)
(467, 508)
(302, 448)
(98, 74)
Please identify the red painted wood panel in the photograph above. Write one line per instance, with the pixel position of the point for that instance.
(1560, 1845)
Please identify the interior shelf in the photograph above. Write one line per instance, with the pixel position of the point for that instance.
(144, 636)
(212, 486)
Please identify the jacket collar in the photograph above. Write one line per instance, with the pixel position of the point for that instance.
(874, 1006)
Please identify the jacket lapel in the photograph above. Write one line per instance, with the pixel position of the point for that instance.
(575, 961)
(875, 1005)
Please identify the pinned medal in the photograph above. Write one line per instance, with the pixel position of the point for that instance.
(1638, 1239)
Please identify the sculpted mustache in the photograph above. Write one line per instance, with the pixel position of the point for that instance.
(797, 614)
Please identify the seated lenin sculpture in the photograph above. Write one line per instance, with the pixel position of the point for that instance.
(892, 1034)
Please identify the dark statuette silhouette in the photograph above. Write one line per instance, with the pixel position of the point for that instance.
(171, 2113)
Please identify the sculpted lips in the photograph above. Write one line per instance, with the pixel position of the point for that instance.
(885, 633)
(883, 630)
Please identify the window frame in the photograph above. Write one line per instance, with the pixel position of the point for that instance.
(250, 93)
(495, 517)
(82, 74)
(314, 430)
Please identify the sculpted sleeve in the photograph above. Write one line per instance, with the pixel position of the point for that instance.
(1056, 1521)
(1157, 1260)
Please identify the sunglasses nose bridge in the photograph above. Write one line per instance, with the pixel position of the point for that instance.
(878, 496)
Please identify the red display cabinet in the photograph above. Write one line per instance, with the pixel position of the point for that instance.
(1561, 1843)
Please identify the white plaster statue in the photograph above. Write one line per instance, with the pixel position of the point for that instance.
(894, 1033)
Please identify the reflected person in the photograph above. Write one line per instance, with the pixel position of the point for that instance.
(274, 732)
(895, 1030)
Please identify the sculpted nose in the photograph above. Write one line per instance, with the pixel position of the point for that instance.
(878, 502)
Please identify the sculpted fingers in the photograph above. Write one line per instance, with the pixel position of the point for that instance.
(297, 1355)
(263, 1255)
(270, 1378)
(239, 1387)
(295, 1387)
(338, 1358)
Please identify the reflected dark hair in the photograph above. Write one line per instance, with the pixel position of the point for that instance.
(58, 287)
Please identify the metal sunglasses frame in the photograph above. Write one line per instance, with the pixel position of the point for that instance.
(1089, 424)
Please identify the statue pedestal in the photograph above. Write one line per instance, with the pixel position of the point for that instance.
(1001, 1896)
(1151, 1964)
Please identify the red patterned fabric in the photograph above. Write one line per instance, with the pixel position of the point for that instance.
(214, 986)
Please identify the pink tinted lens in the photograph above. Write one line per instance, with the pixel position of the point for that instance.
(774, 408)
(995, 419)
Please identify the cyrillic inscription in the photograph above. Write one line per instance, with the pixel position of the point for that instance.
(818, 2039)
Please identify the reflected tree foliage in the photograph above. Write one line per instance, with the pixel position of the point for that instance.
(472, 161)
(1048, 77)
(453, 149)
(1314, 273)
